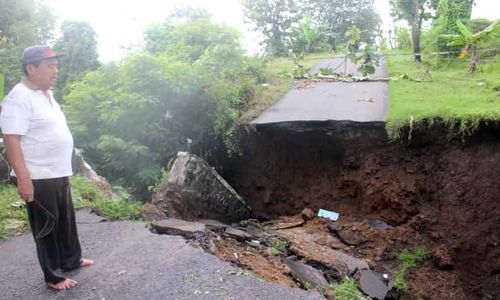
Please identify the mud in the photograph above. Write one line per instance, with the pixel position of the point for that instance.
(444, 195)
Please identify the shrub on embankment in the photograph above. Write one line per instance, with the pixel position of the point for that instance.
(185, 90)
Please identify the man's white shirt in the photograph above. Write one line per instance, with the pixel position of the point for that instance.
(46, 141)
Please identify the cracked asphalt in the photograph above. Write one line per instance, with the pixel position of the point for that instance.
(133, 263)
(332, 101)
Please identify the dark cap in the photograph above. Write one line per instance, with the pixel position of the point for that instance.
(38, 53)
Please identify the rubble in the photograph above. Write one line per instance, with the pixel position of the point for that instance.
(151, 213)
(308, 214)
(194, 190)
(190, 230)
(374, 284)
(308, 276)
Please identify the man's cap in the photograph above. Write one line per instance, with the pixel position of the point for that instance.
(38, 53)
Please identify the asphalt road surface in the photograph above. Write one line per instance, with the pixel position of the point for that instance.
(133, 263)
(332, 101)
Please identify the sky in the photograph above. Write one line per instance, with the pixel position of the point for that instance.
(119, 24)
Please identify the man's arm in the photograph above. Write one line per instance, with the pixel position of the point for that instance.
(15, 157)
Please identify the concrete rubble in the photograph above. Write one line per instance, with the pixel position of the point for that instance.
(194, 190)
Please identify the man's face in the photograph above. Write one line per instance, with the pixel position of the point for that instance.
(45, 75)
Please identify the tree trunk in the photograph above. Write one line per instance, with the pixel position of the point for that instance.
(415, 31)
(473, 59)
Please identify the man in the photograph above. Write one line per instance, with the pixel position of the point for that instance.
(39, 147)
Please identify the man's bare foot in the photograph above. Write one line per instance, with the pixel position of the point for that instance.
(65, 284)
(85, 262)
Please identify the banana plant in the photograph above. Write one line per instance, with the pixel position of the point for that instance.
(470, 41)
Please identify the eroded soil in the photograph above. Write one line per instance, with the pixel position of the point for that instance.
(443, 196)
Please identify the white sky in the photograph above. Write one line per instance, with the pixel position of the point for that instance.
(120, 23)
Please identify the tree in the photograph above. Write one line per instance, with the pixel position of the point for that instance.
(339, 15)
(414, 12)
(403, 40)
(274, 19)
(449, 11)
(308, 37)
(22, 23)
(190, 39)
(469, 40)
(131, 118)
(78, 43)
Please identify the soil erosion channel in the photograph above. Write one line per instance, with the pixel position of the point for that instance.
(442, 196)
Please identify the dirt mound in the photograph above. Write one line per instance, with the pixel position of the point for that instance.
(443, 196)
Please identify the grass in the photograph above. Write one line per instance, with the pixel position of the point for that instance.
(348, 290)
(85, 194)
(452, 95)
(11, 207)
(278, 246)
(279, 81)
(409, 260)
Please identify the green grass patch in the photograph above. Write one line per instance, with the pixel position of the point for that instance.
(87, 194)
(83, 190)
(11, 208)
(119, 210)
(460, 100)
(278, 82)
(278, 246)
(348, 290)
(409, 260)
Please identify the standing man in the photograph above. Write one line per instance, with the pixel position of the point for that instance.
(39, 147)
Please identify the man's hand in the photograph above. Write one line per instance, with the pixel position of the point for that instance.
(25, 189)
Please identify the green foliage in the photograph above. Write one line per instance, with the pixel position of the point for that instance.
(119, 210)
(414, 12)
(278, 245)
(308, 37)
(467, 37)
(476, 25)
(274, 20)
(299, 71)
(352, 35)
(460, 101)
(87, 194)
(78, 43)
(131, 118)
(164, 175)
(409, 260)
(84, 190)
(403, 39)
(399, 279)
(348, 290)
(469, 40)
(11, 207)
(367, 59)
(22, 23)
(451, 11)
(188, 41)
(336, 16)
